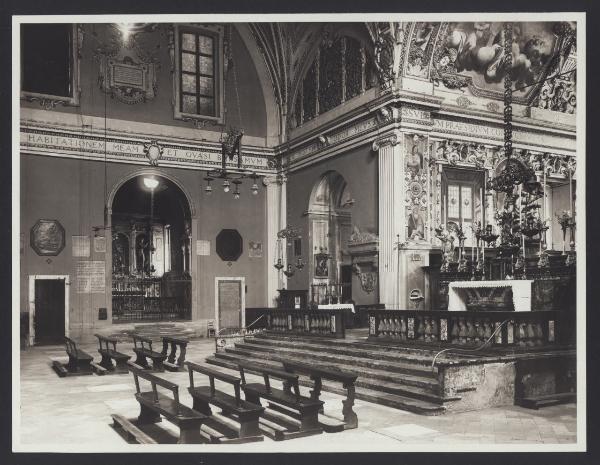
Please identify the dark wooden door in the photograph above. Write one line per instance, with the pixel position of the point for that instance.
(49, 320)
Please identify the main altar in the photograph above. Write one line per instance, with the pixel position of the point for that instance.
(490, 295)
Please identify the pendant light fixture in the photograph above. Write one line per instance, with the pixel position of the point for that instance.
(231, 141)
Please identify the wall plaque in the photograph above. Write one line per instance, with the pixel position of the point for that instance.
(99, 244)
(229, 245)
(90, 277)
(255, 249)
(81, 246)
(202, 247)
(47, 237)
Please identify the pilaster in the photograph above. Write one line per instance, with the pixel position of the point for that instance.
(391, 216)
(276, 213)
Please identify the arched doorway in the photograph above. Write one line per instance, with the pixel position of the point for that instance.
(330, 219)
(151, 251)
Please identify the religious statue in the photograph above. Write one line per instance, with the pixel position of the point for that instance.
(414, 161)
(142, 253)
(447, 240)
(416, 225)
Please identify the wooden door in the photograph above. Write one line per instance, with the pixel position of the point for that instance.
(229, 304)
(49, 319)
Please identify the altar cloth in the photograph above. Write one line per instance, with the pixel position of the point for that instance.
(521, 293)
(337, 306)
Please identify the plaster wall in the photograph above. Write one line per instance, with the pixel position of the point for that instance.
(358, 166)
(72, 192)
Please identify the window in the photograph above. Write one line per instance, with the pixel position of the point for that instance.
(462, 200)
(50, 64)
(340, 71)
(198, 74)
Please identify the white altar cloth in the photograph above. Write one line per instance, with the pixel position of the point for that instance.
(521, 291)
(337, 306)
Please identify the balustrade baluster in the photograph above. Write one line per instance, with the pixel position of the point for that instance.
(530, 334)
(454, 331)
(521, 334)
(396, 328)
(403, 329)
(420, 328)
(434, 330)
(539, 333)
(470, 331)
(427, 330)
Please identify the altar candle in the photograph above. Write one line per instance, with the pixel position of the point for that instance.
(481, 206)
(445, 207)
(571, 194)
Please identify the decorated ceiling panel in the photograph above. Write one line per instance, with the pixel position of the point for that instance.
(470, 55)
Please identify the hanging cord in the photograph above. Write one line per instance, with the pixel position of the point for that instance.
(468, 350)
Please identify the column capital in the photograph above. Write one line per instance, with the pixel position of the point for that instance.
(388, 139)
(272, 180)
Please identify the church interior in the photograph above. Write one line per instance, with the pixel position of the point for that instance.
(366, 233)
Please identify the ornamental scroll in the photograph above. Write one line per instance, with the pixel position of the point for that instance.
(416, 184)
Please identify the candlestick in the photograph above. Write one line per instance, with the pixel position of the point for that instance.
(571, 194)
(445, 215)
(481, 206)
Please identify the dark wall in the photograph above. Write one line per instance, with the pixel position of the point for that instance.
(358, 167)
(72, 192)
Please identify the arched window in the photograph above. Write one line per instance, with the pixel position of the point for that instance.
(339, 72)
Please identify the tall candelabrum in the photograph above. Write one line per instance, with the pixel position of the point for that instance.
(567, 222)
(462, 260)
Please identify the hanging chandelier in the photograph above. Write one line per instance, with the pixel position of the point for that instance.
(231, 145)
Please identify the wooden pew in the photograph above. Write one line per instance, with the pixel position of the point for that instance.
(142, 346)
(175, 343)
(317, 374)
(79, 361)
(108, 350)
(294, 405)
(154, 404)
(233, 407)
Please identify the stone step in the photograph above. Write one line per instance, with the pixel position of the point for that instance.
(425, 382)
(309, 355)
(392, 354)
(425, 391)
(382, 398)
(416, 348)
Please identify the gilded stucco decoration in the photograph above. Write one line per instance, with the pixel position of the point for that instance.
(416, 186)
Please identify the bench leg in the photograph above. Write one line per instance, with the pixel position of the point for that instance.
(147, 415)
(106, 363)
(78, 366)
(157, 365)
(171, 358)
(190, 434)
(121, 366)
(181, 358)
(309, 418)
(249, 425)
(202, 407)
(252, 398)
(141, 361)
(349, 415)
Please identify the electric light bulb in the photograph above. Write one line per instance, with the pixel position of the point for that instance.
(208, 189)
(236, 195)
(254, 189)
(226, 186)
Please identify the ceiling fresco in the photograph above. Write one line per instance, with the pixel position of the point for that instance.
(471, 54)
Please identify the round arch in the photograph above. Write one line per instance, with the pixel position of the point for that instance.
(150, 172)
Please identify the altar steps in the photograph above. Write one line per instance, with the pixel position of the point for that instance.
(394, 378)
(370, 395)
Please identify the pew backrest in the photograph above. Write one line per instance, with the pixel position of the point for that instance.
(290, 378)
(139, 372)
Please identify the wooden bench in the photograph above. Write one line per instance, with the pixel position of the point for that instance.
(108, 350)
(79, 361)
(131, 433)
(175, 343)
(154, 404)
(294, 405)
(317, 374)
(245, 414)
(142, 346)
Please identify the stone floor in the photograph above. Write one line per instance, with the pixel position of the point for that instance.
(69, 414)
